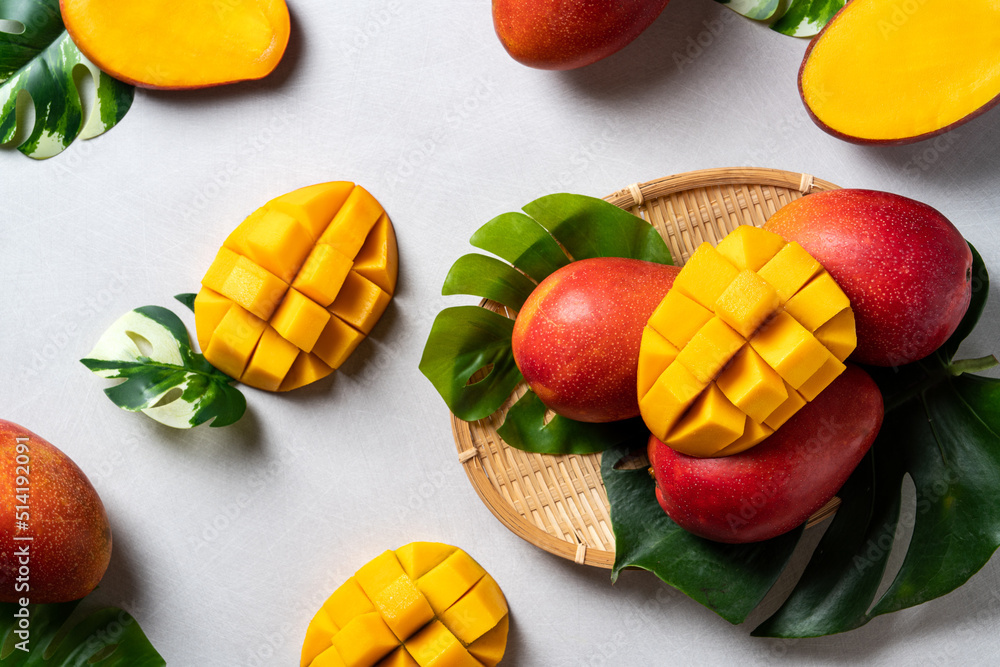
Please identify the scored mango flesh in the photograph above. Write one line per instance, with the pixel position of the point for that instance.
(749, 333)
(425, 604)
(297, 286)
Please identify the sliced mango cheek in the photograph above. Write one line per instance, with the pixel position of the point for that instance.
(424, 604)
(297, 286)
(750, 332)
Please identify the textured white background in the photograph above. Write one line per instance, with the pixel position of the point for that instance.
(227, 540)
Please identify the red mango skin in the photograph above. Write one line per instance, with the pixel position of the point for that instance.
(775, 486)
(71, 539)
(567, 34)
(576, 339)
(904, 266)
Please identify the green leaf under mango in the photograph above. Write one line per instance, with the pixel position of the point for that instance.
(168, 369)
(104, 638)
(758, 10)
(43, 62)
(796, 18)
(469, 341)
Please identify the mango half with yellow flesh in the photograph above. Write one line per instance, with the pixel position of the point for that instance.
(885, 71)
(297, 286)
(425, 604)
(749, 333)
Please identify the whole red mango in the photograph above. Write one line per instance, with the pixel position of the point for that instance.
(576, 339)
(904, 266)
(773, 487)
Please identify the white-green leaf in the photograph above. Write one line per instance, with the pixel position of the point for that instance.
(758, 10)
(41, 66)
(164, 378)
(805, 18)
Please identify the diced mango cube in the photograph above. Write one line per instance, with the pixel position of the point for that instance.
(308, 368)
(821, 379)
(789, 407)
(251, 286)
(318, 636)
(338, 340)
(220, 269)
(209, 308)
(710, 349)
(314, 205)
(328, 658)
(365, 640)
(274, 240)
(234, 340)
(748, 247)
(450, 580)
(395, 595)
(360, 302)
(753, 434)
(270, 362)
(839, 334)
(398, 658)
(436, 646)
(789, 349)
(790, 269)
(672, 393)
(348, 601)
(752, 386)
(711, 424)
(655, 354)
(747, 303)
(476, 612)
(349, 228)
(817, 302)
(378, 258)
(709, 275)
(300, 319)
(489, 648)
(678, 318)
(419, 558)
(323, 274)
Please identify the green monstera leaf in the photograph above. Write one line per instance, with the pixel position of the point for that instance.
(39, 64)
(107, 637)
(942, 429)
(164, 378)
(796, 18)
(468, 355)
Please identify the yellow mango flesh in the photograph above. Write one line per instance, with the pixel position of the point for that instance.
(891, 71)
(426, 604)
(317, 266)
(739, 344)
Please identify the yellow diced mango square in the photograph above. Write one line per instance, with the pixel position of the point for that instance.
(705, 276)
(338, 340)
(398, 658)
(234, 340)
(436, 646)
(476, 612)
(378, 259)
(319, 635)
(711, 424)
(251, 286)
(450, 580)
(308, 368)
(753, 435)
(817, 302)
(751, 385)
(221, 267)
(839, 334)
(789, 270)
(365, 640)
(678, 318)
(748, 247)
(300, 320)
(789, 349)
(323, 274)
(489, 648)
(360, 302)
(710, 349)
(349, 228)
(209, 309)
(315, 205)
(784, 412)
(672, 393)
(655, 354)
(328, 658)
(348, 601)
(419, 558)
(746, 303)
(395, 595)
(822, 378)
(277, 242)
(270, 362)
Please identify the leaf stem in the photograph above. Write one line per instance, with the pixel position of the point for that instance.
(956, 368)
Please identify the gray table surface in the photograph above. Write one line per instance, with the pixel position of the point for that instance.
(227, 540)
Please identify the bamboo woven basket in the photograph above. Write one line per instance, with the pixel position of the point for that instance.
(559, 503)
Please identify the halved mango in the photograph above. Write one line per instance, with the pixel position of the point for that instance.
(297, 286)
(424, 604)
(884, 71)
(750, 321)
(180, 43)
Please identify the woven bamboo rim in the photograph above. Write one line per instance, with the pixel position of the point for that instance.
(559, 503)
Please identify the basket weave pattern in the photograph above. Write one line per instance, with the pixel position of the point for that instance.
(559, 503)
